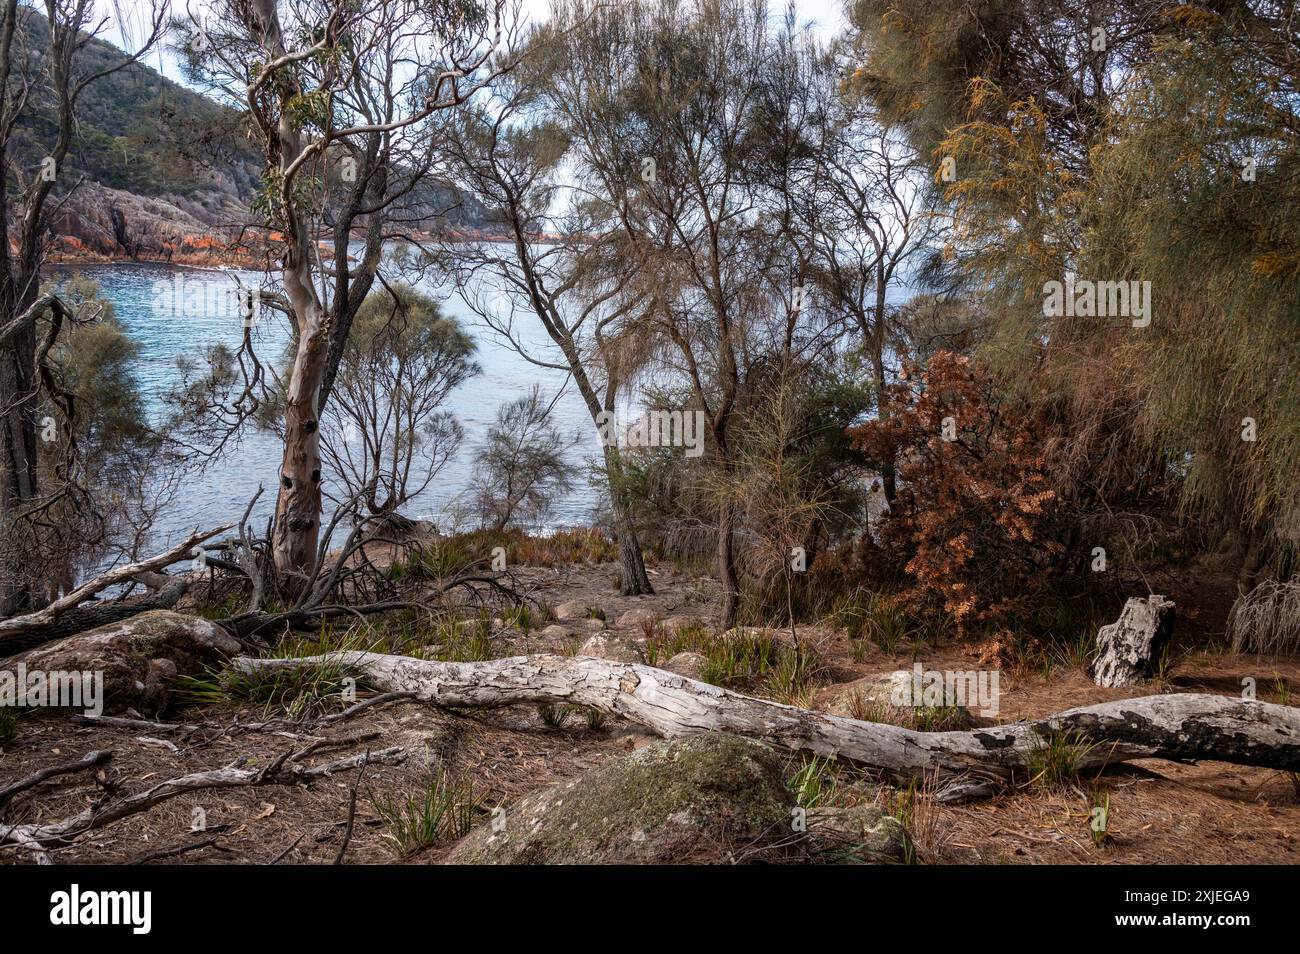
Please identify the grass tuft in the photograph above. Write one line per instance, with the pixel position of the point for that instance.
(444, 810)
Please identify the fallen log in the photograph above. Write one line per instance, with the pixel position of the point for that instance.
(1179, 727)
(167, 591)
(145, 570)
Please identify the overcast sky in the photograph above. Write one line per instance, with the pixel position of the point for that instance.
(128, 22)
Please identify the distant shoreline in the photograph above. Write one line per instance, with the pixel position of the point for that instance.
(210, 258)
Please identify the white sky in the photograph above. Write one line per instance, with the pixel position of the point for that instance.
(128, 22)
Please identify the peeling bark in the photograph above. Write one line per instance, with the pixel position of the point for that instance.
(1179, 727)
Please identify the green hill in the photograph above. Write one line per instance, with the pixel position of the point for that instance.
(137, 130)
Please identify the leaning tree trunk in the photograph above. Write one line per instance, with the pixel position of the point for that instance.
(1177, 727)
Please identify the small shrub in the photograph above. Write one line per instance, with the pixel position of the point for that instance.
(552, 716)
(979, 556)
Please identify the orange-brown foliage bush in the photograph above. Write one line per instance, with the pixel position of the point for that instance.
(974, 517)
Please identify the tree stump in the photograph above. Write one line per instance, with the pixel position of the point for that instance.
(1129, 649)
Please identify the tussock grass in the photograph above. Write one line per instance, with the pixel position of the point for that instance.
(442, 811)
(301, 693)
(1056, 763)
(1267, 619)
(761, 661)
(817, 781)
(553, 716)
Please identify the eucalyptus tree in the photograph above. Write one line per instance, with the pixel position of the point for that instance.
(342, 97)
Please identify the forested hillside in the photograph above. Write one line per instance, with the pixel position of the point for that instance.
(156, 170)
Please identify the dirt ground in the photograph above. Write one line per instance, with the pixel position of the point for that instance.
(1160, 812)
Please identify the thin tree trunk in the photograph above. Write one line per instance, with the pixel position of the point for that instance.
(887, 469)
(634, 581)
(727, 574)
(298, 505)
(17, 465)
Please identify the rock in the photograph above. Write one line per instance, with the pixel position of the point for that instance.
(688, 664)
(638, 616)
(103, 222)
(1129, 649)
(674, 624)
(861, 834)
(887, 698)
(556, 631)
(874, 694)
(140, 657)
(573, 609)
(612, 648)
(687, 800)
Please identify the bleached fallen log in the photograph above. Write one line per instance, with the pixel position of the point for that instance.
(42, 620)
(1181, 727)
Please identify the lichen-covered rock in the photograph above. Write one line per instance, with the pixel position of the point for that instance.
(708, 798)
(612, 648)
(861, 834)
(140, 657)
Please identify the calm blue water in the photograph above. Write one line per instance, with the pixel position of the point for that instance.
(207, 314)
